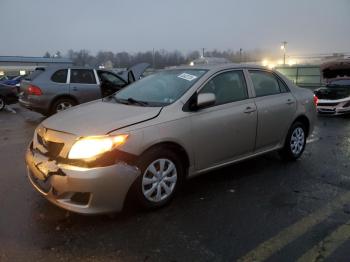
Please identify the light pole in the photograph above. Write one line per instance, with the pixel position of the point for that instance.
(283, 47)
(240, 55)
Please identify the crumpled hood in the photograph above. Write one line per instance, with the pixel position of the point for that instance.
(99, 118)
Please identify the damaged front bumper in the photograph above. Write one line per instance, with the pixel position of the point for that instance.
(333, 107)
(79, 189)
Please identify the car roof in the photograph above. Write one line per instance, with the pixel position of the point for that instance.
(221, 66)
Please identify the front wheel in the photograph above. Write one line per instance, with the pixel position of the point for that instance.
(295, 142)
(161, 176)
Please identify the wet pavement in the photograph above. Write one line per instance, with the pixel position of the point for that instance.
(259, 209)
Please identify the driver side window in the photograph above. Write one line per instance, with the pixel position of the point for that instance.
(228, 87)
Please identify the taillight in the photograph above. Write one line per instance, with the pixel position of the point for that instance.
(315, 100)
(34, 90)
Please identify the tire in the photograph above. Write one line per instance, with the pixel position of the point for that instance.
(2, 103)
(62, 104)
(151, 187)
(295, 142)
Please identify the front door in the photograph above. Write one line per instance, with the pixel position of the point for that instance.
(227, 129)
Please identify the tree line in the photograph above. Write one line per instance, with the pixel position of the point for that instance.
(157, 58)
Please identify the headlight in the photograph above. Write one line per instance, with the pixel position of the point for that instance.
(89, 147)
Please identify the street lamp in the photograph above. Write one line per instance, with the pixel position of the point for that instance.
(240, 55)
(283, 48)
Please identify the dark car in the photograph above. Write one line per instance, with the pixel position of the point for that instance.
(53, 89)
(8, 95)
(14, 81)
(334, 98)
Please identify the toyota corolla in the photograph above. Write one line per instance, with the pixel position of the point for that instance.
(146, 139)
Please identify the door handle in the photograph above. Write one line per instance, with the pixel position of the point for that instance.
(290, 101)
(74, 88)
(249, 110)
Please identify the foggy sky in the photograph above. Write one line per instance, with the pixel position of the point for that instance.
(32, 27)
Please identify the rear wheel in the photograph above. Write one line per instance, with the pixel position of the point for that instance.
(2, 103)
(62, 104)
(295, 142)
(161, 175)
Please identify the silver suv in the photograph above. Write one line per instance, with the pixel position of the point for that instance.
(150, 136)
(53, 89)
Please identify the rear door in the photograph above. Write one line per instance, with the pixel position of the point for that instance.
(84, 85)
(276, 107)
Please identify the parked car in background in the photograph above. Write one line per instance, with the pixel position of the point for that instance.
(3, 78)
(53, 89)
(15, 81)
(178, 123)
(8, 95)
(334, 98)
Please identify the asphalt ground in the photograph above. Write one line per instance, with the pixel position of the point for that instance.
(260, 209)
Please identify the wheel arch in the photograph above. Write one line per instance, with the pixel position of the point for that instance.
(54, 100)
(177, 148)
(305, 121)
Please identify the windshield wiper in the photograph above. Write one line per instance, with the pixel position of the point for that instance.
(128, 101)
(138, 102)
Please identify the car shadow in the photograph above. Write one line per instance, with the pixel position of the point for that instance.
(220, 180)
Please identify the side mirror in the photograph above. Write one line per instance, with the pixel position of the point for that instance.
(205, 100)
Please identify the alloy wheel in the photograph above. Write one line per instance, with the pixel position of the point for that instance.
(297, 141)
(63, 106)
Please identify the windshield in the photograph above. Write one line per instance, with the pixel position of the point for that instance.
(160, 89)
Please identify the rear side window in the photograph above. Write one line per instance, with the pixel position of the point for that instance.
(82, 76)
(35, 73)
(283, 86)
(60, 76)
(264, 83)
(228, 87)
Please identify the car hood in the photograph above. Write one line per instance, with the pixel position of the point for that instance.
(99, 118)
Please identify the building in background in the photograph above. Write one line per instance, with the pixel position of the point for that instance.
(21, 65)
(302, 75)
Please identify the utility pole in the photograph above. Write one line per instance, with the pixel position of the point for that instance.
(153, 59)
(203, 51)
(284, 47)
(240, 55)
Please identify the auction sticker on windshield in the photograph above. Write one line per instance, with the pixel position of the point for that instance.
(187, 77)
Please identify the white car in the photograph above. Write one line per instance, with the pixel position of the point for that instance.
(334, 99)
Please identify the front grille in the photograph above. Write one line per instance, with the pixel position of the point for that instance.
(326, 112)
(327, 104)
(53, 148)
